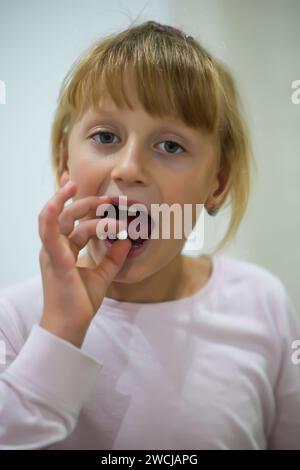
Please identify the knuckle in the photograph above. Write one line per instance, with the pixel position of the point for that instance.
(41, 216)
(42, 255)
(42, 252)
(41, 229)
(44, 234)
(44, 259)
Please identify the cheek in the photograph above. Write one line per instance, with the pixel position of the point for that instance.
(87, 177)
(190, 194)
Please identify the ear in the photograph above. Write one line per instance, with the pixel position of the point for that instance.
(220, 187)
(63, 169)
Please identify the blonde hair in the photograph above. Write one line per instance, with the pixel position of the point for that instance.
(174, 75)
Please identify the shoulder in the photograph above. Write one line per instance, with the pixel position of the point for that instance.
(250, 275)
(21, 306)
(236, 268)
(257, 290)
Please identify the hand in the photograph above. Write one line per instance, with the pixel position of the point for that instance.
(72, 294)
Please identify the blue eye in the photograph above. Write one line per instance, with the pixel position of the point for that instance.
(172, 145)
(103, 133)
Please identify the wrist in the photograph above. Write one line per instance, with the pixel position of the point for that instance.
(74, 334)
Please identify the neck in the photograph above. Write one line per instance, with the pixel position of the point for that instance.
(161, 286)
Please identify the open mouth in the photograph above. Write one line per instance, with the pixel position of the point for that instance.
(131, 215)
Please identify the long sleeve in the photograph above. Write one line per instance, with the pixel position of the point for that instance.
(286, 429)
(42, 387)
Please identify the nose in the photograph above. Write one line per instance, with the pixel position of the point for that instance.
(130, 165)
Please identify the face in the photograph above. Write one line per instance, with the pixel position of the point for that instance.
(153, 160)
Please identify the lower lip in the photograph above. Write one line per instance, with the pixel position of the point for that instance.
(134, 250)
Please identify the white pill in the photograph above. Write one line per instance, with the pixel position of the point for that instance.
(122, 235)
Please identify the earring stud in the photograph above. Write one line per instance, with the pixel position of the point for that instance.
(213, 211)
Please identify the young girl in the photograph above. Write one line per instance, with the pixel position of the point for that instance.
(138, 346)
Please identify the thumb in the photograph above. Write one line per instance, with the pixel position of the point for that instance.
(112, 263)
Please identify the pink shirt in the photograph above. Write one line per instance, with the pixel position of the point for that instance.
(210, 371)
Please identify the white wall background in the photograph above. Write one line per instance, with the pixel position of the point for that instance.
(258, 39)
